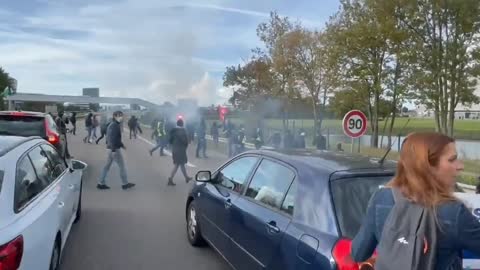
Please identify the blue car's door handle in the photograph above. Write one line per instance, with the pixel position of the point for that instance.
(272, 227)
(228, 203)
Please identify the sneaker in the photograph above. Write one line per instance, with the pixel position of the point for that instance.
(188, 179)
(170, 182)
(127, 186)
(102, 187)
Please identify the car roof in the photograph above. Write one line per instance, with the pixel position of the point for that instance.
(8, 143)
(327, 161)
(26, 113)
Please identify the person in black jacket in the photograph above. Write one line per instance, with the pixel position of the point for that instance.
(89, 126)
(179, 141)
(115, 145)
(62, 128)
(73, 120)
(201, 139)
(103, 128)
(215, 133)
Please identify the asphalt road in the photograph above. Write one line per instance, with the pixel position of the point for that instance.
(142, 228)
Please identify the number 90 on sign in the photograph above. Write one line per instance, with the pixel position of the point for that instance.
(355, 124)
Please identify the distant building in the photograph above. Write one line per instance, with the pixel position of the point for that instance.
(469, 112)
(461, 111)
(91, 92)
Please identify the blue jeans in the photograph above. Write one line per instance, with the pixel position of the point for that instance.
(118, 158)
(161, 143)
(202, 146)
(89, 136)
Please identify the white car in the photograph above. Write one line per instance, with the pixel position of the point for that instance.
(40, 199)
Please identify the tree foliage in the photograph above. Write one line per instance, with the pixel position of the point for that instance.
(4, 83)
(445, 55)
(373, 55)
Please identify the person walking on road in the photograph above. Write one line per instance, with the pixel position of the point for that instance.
(240, 141)
(440, 227)
(153, 127)
(179, 141)
(134, 126)
(258, 138)
(95, 126)
(232, 136)
(115, 146)
(61, 123)
(73, 120)
(89, 126)
(202, 139)
(215, 134)
(103, 128)
(160, 136)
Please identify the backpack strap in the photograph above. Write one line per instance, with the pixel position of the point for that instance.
(397, 195)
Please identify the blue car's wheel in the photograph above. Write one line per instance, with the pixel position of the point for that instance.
(193, 227)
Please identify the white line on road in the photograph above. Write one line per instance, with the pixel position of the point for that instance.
(166, 151)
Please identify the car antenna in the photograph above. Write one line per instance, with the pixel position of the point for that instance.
(382, 160)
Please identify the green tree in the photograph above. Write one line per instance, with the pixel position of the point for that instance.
(4, 83)
(271, 33)
(251, 82)
(365, 45)
(444, 54)
(308, 54)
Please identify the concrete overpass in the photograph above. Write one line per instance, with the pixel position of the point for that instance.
(26, 97)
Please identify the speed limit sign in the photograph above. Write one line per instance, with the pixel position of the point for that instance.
(355, 124)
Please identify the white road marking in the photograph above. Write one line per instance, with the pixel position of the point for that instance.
(168, 153)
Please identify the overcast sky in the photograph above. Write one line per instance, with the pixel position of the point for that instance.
(153, 49)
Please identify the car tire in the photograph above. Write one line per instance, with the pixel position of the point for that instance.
(194, 233)
(55, 258)
(78, 214)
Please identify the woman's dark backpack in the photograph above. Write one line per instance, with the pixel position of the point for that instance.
(409, 237)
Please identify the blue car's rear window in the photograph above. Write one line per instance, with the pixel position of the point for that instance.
(350, 198)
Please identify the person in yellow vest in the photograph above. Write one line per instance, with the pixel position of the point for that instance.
(160, 135)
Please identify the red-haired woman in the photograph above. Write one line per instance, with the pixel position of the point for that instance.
(426, 175)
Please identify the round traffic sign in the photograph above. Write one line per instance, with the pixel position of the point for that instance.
(355, 124)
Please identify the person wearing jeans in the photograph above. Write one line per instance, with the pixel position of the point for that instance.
(202, 140)
(89, 126)
(160, 135)
(73, 120)
(179, 141)
(103, 130)
(115, 146)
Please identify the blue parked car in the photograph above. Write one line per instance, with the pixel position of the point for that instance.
(284, 210)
